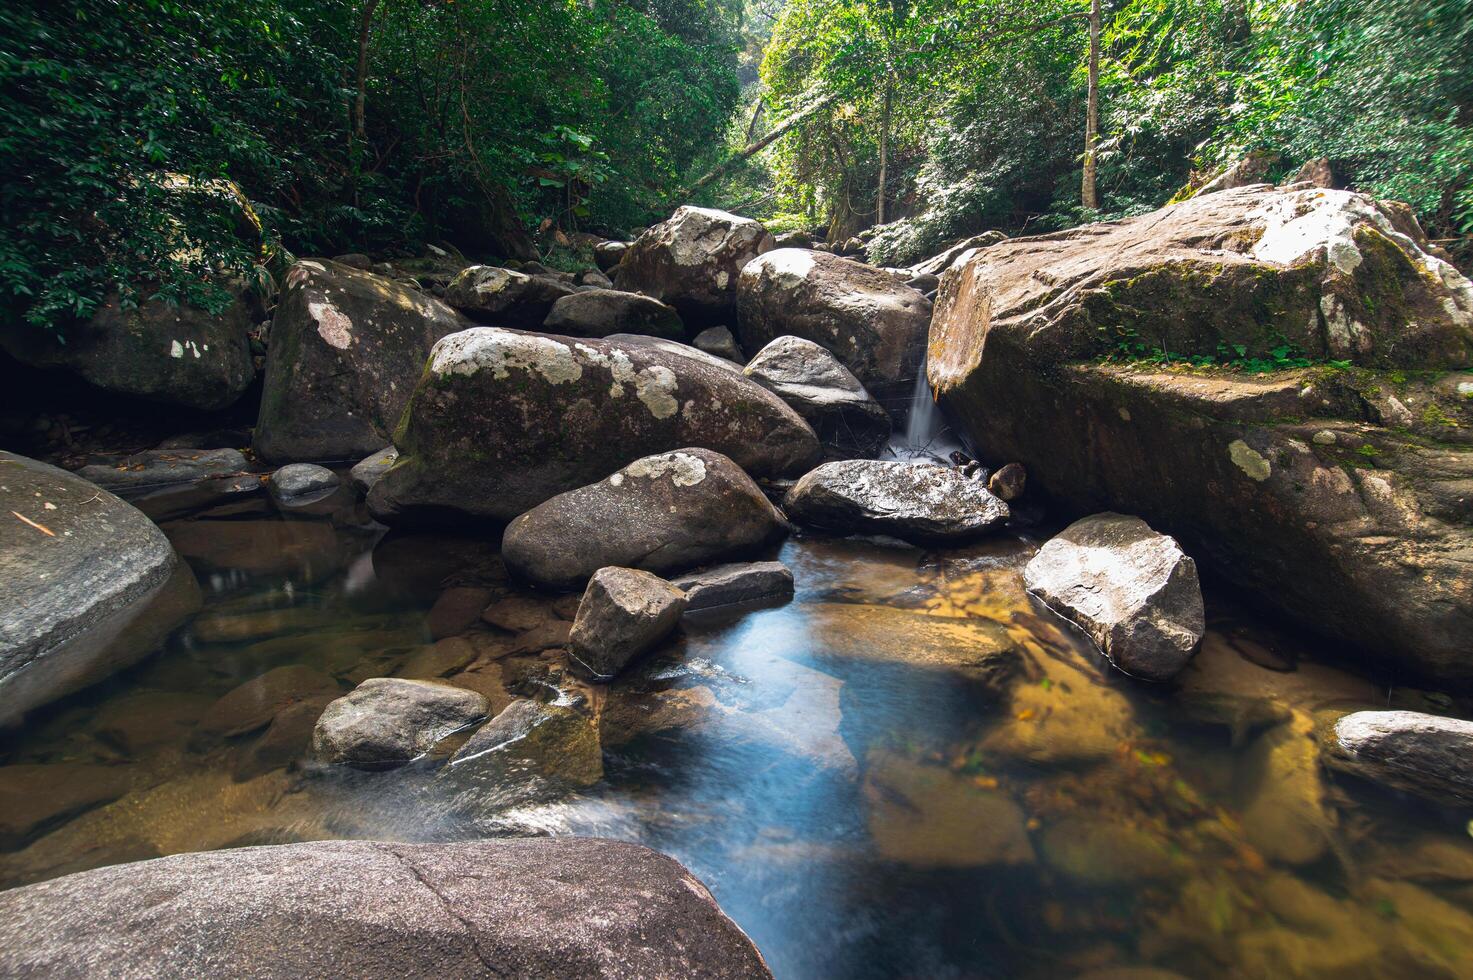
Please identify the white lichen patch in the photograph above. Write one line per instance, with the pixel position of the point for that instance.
(501, 352)
(655, 386)
(683, 469)
(333, 326)
(176, 350)
(1249, 460)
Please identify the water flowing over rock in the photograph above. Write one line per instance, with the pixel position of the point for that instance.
(346, 349)
(849, 422)
(601, 312)
(503, 420)
(723, 585)
(530, 751)
(1306, 486)
(564, 907)
(871, 321)
(691, 261)
(663, 513)
(624, 612)
(1130, 589)
(88, 585)
(388, 721)
(504, 297)
(915, 502)
(1427, 755)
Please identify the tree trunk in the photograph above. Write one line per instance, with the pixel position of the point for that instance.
(884, 154)
(1088, 195)
(365, 28)
(772, 136)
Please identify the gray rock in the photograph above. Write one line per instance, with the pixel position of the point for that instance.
(921, 503)
(346, 349)
(87, 584)
(1316, 172)
(1426, 755)
(692, 261)
(609, 254)
(1008, 482)
(367, 471)
(388, 721)
(1132, 590)
(662, 513)
(505, 297)
(155, 468)
(503, 420)
(594, 278)
(545, 907)
(954, 255)
(530, 751)
(723, 585)
(793, 239)
(600, 312)
(298, 483)
(719, 342)
(624, 613)
(848, 421)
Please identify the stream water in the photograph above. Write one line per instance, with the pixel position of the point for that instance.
(909, 770)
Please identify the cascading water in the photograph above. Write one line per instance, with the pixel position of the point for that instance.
(926, 437)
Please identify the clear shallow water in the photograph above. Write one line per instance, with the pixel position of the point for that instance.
(911, 770)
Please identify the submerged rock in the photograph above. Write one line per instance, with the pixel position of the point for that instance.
(501, 421)
(555, 907)
(624, 613)
(691, 261)
(346, 349)
(504, 297)
(388, 721)
(916, 502)
(34, 798)
(1286, 813)
(1426, 755)
(724, 585)
(1109, 854)
(1130, 589)
(154, 468)
(253, 704)
(872, 322)
(663, 513)
(600, 312)
(848, 421)
(301, 483)
(369, 470)
(529, 751)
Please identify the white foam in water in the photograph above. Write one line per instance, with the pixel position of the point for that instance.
(926, 435)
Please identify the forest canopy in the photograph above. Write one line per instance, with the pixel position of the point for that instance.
(501, 127)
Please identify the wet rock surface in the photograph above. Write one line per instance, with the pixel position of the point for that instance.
(300, 483)
(370, 469)
(530, 751)
(624, 612)
(388, 721)
(915, 502)
(724, 585)
(1409, 751)
(691, 261)
(161, 467)
(849, 422)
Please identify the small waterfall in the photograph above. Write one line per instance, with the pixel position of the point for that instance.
(923, 421)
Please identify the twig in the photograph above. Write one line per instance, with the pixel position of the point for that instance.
(40, 527)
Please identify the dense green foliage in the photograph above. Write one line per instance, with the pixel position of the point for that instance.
(481, 119)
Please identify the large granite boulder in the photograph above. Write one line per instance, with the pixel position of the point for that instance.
(1131, 590)
(1427, 755)
(503, 420)
(663, 513)
(623, 613)
(849, 422)
(388, 721)
(546, 907)
(691, 261)
(88, 585)
(922, 503)
(346, 349)
(601, 312)
(869, 319)
(504, 297)
(1338, 495)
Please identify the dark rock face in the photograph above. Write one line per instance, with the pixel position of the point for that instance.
(346, 349)
(1130, 589)
(502, 420)
(530, 751)
(1333, 496)
(301, 482)
(1426, 755)
(723, 585)
(1008, 482)
(179, 355)
(663, 513)
(719, 342)
(848, 421)
(600, 312)
(556, 907)
(388, 721)
(158, 467)
(915, 502)
(873, 323)
(691, 261)
(504, 297)
(606, 255)
(624, 612)
(87, 584)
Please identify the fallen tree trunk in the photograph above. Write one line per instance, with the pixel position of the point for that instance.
(752, 148)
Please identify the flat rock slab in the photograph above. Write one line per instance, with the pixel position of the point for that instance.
(1426, 755)
(624, 612)
(724, 585)
(920, 503)
(389, 721)
(156, 468)
(34, 798)
(1132, 590)
(563, 907)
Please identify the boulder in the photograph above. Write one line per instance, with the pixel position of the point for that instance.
(1008, 483)
(719, 342)
(88, 585)
(921, 503)
(505, 297)
(938, 264)
(873, 323)
(724, 585)
(299, 483)
(155, 468)
(543, 907)
(624, 612)
(388, 721)
(253, 704)
(1426, 755)
(691, 261)
(346, 349)
(600, 312)
(848, 421)
(178, 355)
(367, 471)
(1338, 496)
(606, 255)
(793, 239)
(529, 751)
(663, 513)
(502, 420)
(1133, 592)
